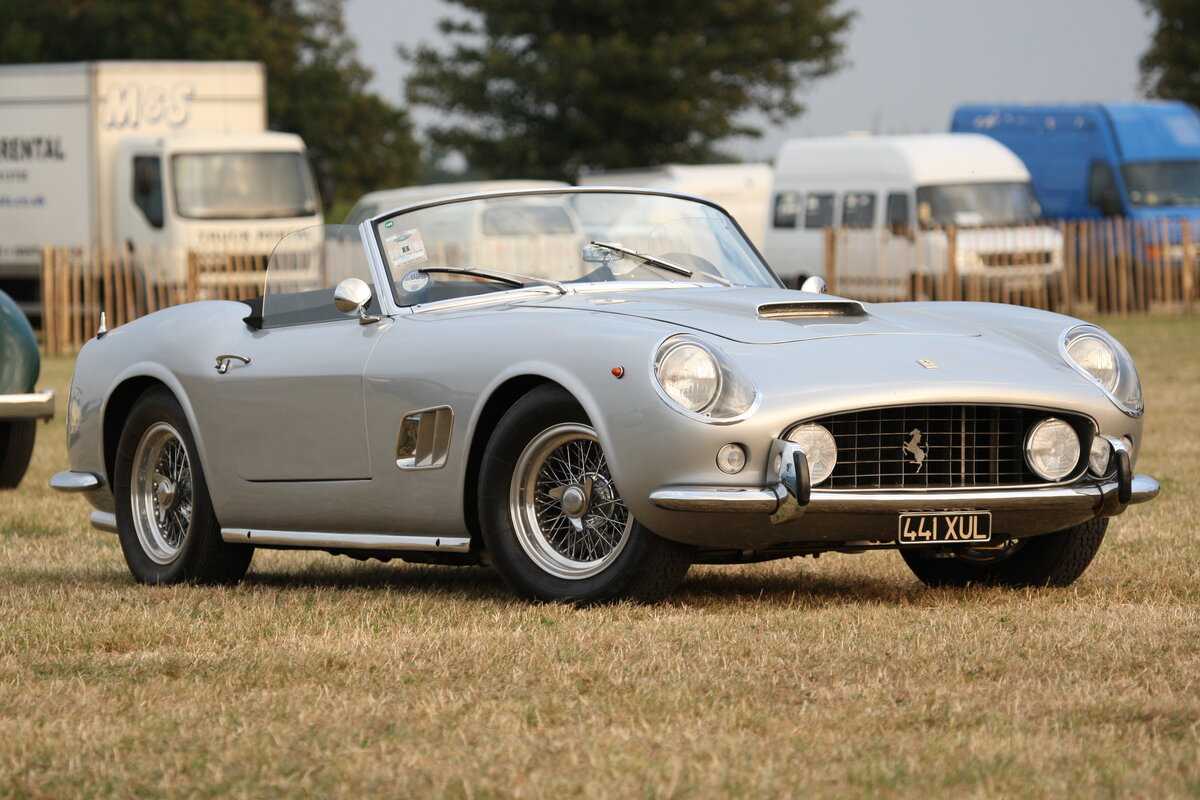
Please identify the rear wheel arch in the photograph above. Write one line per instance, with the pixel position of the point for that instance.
(120, 403)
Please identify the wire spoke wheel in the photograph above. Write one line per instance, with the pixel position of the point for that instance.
(161, 493)
(569, 518)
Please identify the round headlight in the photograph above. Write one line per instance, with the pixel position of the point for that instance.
(1099, 456)
(689, 375)
(819, 448)
(1052, 449)
(1096, 357)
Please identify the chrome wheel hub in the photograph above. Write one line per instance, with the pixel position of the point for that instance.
(160, 489)
(568, 516)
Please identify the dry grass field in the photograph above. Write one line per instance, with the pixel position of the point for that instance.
(835, 677)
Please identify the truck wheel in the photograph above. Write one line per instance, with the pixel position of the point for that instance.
(16, 450)
(1055, 559)
(165, 519)
(551, 516)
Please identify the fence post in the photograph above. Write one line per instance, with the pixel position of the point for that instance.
(831, 260)
(193, 276)
(1189, 264)
(48, 299)
(952, 288)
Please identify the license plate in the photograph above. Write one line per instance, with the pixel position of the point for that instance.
(945, 527)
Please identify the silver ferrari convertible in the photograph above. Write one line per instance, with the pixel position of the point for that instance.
(591, 390)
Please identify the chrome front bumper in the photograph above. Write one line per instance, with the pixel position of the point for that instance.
(828, 515)
(34, 405)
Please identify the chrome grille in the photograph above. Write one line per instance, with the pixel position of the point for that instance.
(961, 446)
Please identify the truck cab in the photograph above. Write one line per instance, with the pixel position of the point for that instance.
(209, 193)
(1094, 160)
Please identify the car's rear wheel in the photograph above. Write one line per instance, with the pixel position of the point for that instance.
(165, 519)
(1054, 559)
(16, 450)
(552, 518)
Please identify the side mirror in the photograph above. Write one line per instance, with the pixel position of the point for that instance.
(351, 297)
(814, 284)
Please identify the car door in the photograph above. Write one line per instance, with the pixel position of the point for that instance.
(288, 385)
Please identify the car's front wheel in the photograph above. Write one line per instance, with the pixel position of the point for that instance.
(552, 518)
(165, 519)
(1054, 559)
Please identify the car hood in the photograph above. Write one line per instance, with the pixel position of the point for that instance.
(764, 316)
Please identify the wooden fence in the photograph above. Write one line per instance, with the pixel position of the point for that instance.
(1087, 267)
(1110, 266)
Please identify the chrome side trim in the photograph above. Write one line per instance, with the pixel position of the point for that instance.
(104, 521)
(33, 405)
(347, 541)
(491, 298)
(424, 441)
(70, 481)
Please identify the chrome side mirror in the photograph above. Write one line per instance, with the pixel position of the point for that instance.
(351, 297)
(814, 284)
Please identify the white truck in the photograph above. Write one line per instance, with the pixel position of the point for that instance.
(892, 199)
(741, 189)
(155, 156)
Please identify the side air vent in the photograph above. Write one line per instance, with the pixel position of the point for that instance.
(425, 438)
(803, 310)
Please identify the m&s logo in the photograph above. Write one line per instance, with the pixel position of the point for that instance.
(131, 105)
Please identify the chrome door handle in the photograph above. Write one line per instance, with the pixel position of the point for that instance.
(223, 362)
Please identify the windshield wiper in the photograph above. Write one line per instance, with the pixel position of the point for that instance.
(511, 278)
(654, 261)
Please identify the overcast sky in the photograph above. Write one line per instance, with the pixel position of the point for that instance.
(910, 61)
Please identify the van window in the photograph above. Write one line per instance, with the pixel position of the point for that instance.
(858, 210)
(787, 210)
(1102, 189)
(147, 188)
(898, 219)
(818, 211)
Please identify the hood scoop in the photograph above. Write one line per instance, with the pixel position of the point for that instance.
(801, 309)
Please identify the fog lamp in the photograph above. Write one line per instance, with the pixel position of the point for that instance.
(731, 458)
(1098, 458)
(819, 448)
(1052, 449)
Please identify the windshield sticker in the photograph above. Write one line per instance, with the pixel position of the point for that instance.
(404, 247)
(414, 281)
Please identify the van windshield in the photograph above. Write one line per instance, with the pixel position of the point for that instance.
(976, 204)
(1163, 183)
(243, 185)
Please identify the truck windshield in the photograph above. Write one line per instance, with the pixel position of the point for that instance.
(1163, 183)
(242, 185)
(976, 204)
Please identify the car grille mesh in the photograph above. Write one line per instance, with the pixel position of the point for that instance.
(931, 447)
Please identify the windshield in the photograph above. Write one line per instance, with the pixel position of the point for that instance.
(976, 204)
(1163, 183)
(541, 237)
(243, 185)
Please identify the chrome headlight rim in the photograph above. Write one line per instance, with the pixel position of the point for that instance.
(672, 346)
(1080, 455)
(1125, 366)
(728, 376)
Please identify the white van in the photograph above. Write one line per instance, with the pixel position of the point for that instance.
(382, 200)
(891, 199)
(741, 189)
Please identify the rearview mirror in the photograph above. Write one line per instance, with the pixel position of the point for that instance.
(814, 284)
(351, 296)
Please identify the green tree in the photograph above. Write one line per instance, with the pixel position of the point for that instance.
(1171, 65)
(546, 88)
(316, 86)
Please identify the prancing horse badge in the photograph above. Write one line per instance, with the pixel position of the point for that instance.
(913, 448)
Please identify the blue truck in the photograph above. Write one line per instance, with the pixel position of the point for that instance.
(1135, 160)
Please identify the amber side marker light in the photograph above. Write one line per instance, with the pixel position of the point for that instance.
(618, 372)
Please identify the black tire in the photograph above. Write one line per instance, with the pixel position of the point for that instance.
(16, 450)
(647, 569)
(1055, 559)
(203, 557)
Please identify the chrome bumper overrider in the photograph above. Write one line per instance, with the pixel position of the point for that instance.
(34, 405)
(788, 498)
